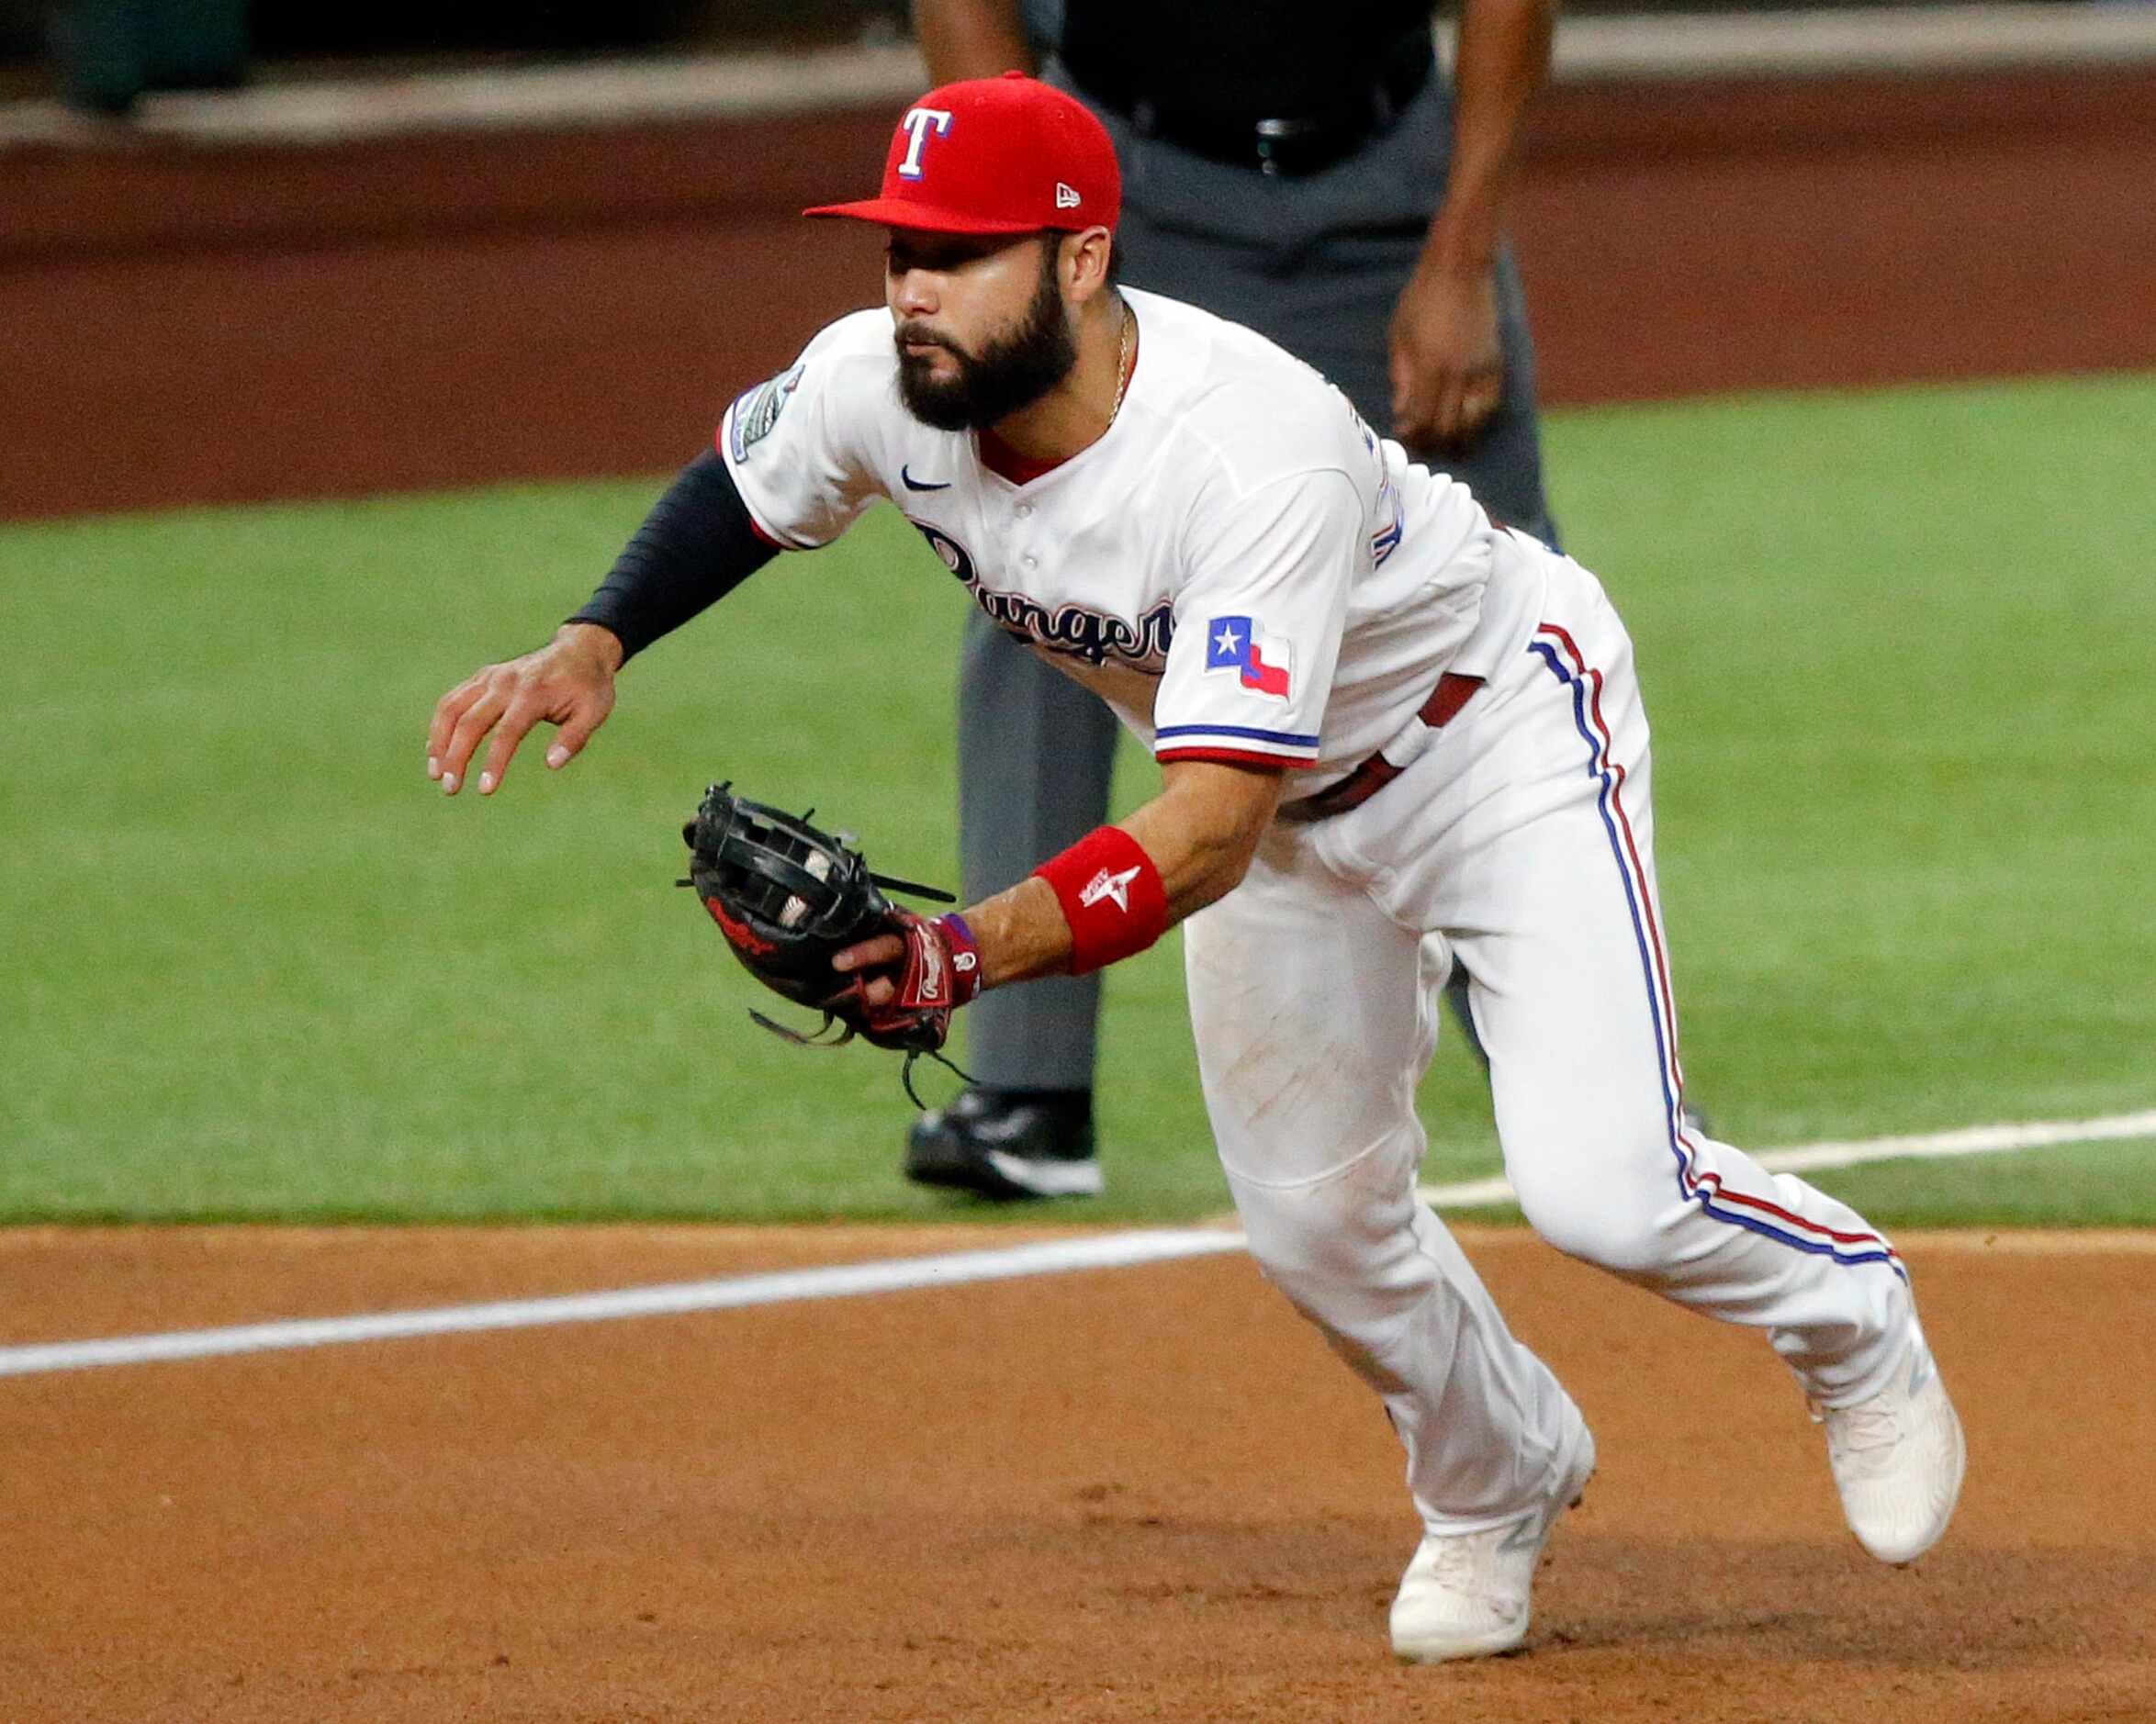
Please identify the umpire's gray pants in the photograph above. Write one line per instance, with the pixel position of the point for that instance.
(1315, 264)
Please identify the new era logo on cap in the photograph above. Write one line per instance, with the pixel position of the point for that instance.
(993, 156)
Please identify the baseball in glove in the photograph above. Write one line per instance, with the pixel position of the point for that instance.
(789, 896)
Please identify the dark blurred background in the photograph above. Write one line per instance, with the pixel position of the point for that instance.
(356, 277)
(276, 31)
(315, 29)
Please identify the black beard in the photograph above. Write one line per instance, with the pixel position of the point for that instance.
(1010, 373)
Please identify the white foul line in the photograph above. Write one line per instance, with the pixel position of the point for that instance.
(1971, 1140)
(1107, 1251)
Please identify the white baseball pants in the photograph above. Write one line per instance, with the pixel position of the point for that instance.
(1521, 841)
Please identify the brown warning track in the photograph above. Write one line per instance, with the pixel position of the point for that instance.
(1138, 1493)
(222, 325)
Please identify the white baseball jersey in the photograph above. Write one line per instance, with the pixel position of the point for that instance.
(1247, 574)
(1239, 566)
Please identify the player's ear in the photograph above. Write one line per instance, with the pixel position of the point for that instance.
(1087, 263)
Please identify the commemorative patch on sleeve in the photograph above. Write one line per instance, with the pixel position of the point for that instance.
(758, 411)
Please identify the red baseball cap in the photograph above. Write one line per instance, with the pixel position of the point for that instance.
(995, 155)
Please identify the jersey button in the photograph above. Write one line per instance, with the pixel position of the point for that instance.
(1025, 511)
(1032, 561)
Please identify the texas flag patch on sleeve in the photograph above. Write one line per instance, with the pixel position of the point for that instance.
(1262, 662)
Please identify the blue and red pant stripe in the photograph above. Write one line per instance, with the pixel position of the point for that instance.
(1559, 651)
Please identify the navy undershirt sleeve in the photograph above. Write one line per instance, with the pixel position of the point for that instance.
(696, 547)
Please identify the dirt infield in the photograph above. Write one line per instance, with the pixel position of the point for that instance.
(1135, 1494)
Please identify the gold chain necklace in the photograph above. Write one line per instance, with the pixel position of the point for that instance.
(1122, 360)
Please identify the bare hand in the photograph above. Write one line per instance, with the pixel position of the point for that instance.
(569, 682)
(1447, 368)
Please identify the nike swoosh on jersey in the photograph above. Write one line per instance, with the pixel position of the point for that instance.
(912, 484)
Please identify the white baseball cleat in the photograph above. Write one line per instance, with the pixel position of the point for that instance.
(1898, 1460)
(1466, 1595)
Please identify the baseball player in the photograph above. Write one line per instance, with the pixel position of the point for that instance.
(1389, 734)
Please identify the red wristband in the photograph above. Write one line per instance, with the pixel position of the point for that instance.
(1111, 895)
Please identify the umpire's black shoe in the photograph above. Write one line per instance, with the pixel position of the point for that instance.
(1010, 1145)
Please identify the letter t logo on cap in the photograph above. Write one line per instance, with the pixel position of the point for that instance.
(919, 123)
(1013, 155)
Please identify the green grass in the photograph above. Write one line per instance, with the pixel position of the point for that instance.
(257, 967)
(2075, 1185)
(2087, 1185)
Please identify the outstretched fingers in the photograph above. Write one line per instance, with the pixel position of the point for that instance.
(576, 723)
(470, 728)
(517, 719)
(448, 710)
(569, 683)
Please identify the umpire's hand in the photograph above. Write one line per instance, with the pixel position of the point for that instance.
(1448, 369)
(569, 682)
